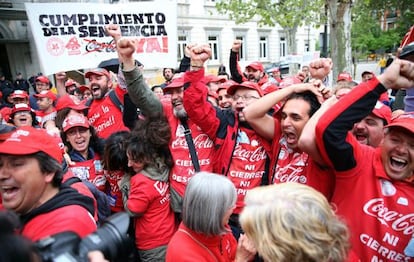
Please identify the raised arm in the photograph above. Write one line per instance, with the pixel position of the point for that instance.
(139, 92)
(199, 110)
(235, 72)
(307, 140)
(332, 129)
(257, 112)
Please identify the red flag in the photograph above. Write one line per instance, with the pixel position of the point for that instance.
(408, 38)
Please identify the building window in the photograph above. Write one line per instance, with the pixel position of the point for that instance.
(307, 49)
(283, 46)
(182, 43)
(263, 47)
(213, 41)
(242, 51)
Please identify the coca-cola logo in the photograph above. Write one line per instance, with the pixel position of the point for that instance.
(289, 174)
(399, 222)
(202, 141)
(247, 155)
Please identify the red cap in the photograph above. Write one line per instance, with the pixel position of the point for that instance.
(213, 79)
(382, 111)
(344, 76)
(98, 71)
(367, 72)
(19, 94)
(405, 121)
(46, 93)
(83, 88)
(73, 121)
(70, 82)
(226, 85)
(256, 66)
(20, 107)
(288, 81)
(43, 79)
(176, 82)
(67, 102)
(246, 84)
(276, 69)
(29, 140)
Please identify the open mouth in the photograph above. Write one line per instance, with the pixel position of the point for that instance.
(8, 192)
(361, 138)
(291, 137)
(398, 163)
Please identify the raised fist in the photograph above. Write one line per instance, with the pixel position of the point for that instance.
(114, 31)
(236, 45)
(320, 68)
(200, 54)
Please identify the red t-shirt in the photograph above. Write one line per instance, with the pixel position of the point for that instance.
(105, 116)
(90, 170)
(67, 218)
(151, 199)
(248, 164)
(183, 168)
(188, 246)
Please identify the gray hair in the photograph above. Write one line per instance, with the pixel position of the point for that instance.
(207, 198)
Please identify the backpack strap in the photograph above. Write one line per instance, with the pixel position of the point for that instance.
(114, 98)
(72, 181)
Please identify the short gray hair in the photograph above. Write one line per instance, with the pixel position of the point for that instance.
(207, 198)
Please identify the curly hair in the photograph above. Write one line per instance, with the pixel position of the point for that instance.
(294, 222)
(114, 157)
(149, 140)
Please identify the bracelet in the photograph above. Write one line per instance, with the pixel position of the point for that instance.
(197, 66)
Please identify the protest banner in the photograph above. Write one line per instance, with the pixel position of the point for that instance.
(71, 36)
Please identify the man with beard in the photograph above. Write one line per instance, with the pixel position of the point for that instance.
(104, 115)
(254, 71)
(240, 153)
(176, 115)
(370, 130)
(168, 74)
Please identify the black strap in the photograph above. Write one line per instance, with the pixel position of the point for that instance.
(190, 143)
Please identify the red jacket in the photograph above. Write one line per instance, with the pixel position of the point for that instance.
(183, 168)
(187, 246)
(378, 210)
(66, 211)
(244, 162)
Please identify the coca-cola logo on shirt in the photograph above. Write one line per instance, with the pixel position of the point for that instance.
(390, 218)
(289, 174)
(249, 155)
(201, 141)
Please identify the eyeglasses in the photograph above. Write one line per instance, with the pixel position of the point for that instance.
(75, 130)
(244, 98)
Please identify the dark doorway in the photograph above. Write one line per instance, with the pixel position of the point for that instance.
(4, 62)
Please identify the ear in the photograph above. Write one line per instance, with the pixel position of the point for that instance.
(49, 177)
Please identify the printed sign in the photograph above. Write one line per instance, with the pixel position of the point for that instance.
(71, 36)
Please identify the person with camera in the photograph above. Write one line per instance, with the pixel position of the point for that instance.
(30, 185)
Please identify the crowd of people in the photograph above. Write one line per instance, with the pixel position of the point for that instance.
(243, 166)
